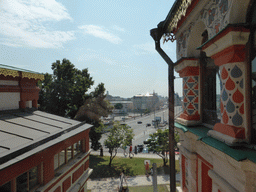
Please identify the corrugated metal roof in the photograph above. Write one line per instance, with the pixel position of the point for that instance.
(22, 131)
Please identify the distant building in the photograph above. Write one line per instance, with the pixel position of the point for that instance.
(38, 151)
(127, 106)
(147, 101)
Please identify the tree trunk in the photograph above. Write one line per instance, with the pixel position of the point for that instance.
(110, 161)
(164, 160)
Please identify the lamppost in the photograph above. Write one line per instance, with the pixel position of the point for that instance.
(163, 116)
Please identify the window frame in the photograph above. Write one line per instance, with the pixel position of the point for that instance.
(28, 180)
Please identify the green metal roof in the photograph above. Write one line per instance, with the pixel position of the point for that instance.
(17, 69)
(238, 153)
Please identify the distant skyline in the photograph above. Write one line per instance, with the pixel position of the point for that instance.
(110, 38)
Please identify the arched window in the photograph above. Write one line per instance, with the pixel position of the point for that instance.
(210, 79)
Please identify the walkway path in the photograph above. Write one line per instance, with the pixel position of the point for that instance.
(111, 184)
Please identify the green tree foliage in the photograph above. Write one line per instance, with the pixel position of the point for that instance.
(95, 107)
(118, 106)
(65, 93)
(159, 143)
(119, 135)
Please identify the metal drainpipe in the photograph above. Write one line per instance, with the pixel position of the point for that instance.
(171, 106)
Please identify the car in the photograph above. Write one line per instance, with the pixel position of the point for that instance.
(145, 150)
(146, 141)
(140, 148)
(148, 124)
(139, 122)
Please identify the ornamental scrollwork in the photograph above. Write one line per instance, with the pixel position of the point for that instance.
(181, 11)
(33, 76)
(168, 37)
(8, 72)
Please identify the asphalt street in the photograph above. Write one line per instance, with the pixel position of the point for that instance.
(142, 131)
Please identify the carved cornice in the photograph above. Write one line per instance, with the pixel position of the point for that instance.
(180, 12)
(16, 73)
(32, 76)
(8, 72)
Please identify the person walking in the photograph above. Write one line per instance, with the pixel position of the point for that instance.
(130, 151)
(147, 169)
(124, 148)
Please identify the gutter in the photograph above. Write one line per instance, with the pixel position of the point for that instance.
(157, 34)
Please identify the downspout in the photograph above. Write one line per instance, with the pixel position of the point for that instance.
(156, 34)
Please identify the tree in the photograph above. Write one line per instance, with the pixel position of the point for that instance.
(119, 135)
(159, 143)
(65, 93)
(118, 106)
(66, 89)
(92, 110)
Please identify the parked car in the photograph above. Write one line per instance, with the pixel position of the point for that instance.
(139, 122)
(146, 142)
(145, 150)
(140, 148)
(148, 124)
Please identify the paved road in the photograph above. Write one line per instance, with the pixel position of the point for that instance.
(142, 131)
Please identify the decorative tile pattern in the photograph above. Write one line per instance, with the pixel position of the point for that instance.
(232, 94)
(190, 95)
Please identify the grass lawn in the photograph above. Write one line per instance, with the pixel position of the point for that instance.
(160, 188)
(132, 167)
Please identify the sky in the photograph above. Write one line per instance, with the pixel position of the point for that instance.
(111, 38)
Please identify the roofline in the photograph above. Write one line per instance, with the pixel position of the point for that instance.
(164, 24)
(7, 70)
(19, 152)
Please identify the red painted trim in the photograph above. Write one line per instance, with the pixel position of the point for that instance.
(189, 71)
(195, 117)
(9, 88)
(183, 161)
(186, 59)
(235, 132)
(46, 157)
(66, 173)
(206, 180)
(224, 33)
(58, 189)
(206, 162)
(188, 11)
(232, 54)
(66, 184)
(77, 173)
(197, 174)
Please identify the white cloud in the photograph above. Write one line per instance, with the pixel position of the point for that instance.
(100, 32)
(118, 28)
(21, 23)
(147, 48)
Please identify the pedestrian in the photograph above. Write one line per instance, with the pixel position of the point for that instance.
(122, 180)
(125, 154)
(101, 152)
(147, 169)
(130, 151)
